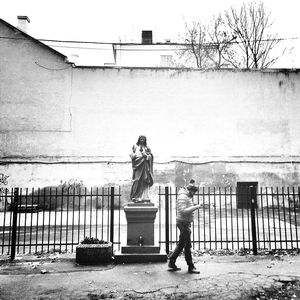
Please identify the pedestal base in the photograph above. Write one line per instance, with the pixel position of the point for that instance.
(140, 223)
(140, 228)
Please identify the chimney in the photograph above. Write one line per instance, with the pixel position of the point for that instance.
(147, 37)
(23, 22)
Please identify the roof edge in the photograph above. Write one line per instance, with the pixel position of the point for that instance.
(36, 41)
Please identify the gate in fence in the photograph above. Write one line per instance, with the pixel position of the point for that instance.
(269, 218)
(53, 219)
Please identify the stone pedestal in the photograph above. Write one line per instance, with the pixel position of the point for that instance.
(140, 223)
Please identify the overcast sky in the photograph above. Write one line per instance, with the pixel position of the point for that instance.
(112, 21)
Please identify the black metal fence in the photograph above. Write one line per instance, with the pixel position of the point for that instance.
(57, 219)
(271, 220)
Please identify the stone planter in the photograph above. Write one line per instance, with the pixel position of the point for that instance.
(93, 254)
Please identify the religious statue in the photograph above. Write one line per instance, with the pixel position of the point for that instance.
(142, 166)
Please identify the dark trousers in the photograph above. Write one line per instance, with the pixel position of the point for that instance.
(183, 243)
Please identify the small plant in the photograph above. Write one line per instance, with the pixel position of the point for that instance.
(91, 240)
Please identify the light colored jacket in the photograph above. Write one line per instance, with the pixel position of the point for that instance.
(184, 201)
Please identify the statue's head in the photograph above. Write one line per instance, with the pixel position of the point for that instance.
(142, 140)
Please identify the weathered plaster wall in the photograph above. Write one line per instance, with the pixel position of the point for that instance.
(60, 123)
(35, 95)
(186, 113)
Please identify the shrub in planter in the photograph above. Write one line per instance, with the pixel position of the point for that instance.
(92, 251)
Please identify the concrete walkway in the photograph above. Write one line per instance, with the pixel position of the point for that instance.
(221, 277)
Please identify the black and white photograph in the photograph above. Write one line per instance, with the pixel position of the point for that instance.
(150, 149)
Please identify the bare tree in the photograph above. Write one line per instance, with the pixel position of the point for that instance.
(220, 44)
(196, 50)
(250, 24)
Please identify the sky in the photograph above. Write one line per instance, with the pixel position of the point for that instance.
(121, 20)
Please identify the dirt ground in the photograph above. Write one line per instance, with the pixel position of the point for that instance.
(57, 276)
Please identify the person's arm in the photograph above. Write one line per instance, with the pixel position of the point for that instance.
(191, 209)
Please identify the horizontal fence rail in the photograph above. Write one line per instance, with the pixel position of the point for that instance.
(221, 223)
(57, 219)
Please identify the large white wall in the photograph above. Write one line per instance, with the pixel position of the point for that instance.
(186, 112)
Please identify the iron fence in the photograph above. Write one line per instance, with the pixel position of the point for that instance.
(57, 219)
(271, 222)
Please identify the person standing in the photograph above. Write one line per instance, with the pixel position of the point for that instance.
(185, 215)
(142, 166)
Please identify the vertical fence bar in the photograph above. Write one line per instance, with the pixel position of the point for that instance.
(14, 224)
(237, 220)
(119, 234)
(279, 218)
(102, 213)
(204, 231)
(25, 221)
(231, 216)
(31, 218)
(108, 215)
(290, 218)
(170, 218)
(220, 201)
(215, 218)
(198, 219)
(19, 218)
(262, 215)
(257, 218)
(295, 212)
(37, 221)
(43, 225)
(268, 214)
(159, 215)
(284, 218)
(167, 218)
(253, 219)
(73, 217)
(176, 196)
(4, 219)
(209, 217)
(11, 215)
(61, 217)
(91, 210)
(112, 208)
(243, 226)
(67, 221)
(79, 204)
(49, 219)
(226, 225)
(248, 223)
(274, 223)
(97, 204)
(84, 215)
(55, 216)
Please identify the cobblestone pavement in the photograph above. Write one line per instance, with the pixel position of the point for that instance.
(229, 277)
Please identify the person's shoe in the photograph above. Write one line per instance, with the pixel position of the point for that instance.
(193, 270)
(172, 266)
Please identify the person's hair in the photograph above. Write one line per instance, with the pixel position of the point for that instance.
(191, 186)
(138, 142)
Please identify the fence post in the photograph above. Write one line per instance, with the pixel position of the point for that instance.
(112, 208)
(14, 224)
(167, 218)
(253, 224)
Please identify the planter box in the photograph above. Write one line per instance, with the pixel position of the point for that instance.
(93, 254)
